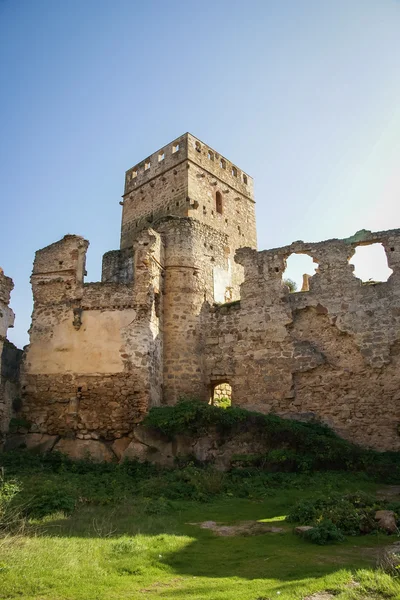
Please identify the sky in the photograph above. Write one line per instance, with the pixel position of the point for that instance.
(304, 95)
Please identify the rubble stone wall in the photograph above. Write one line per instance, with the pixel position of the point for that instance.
(332, 352)
(93, 367)
(9, 357)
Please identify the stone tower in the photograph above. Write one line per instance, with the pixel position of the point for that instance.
(203, 207)
(188, 179)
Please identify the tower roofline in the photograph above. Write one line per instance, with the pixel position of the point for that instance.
(186, 136)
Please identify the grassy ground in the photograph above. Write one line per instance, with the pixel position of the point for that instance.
(116, 548)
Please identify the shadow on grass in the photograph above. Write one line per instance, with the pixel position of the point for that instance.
(198, 552)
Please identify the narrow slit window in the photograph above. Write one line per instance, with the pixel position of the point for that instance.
(175, 148)
(161, 156)
(210, 155)
(244, 179)
(222, 163)
(147, 165)
(218, 202)
(234, 171)
(134, 174)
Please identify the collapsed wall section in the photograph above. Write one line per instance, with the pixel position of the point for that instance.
(331, 353)
(93, 366)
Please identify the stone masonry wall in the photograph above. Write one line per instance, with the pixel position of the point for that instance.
(9, 359)
(192, 252)
(93, 367)
(183, 180)
(331, 353)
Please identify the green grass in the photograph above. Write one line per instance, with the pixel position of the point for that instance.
(118, 544)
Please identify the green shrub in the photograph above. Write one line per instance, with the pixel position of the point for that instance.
(157, 506)
(352, 514)
(8, 491)
(324, 533)
(50, 501)
(222, 402)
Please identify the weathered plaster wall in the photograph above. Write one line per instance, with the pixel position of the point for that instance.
(331, 352)
(93, 365)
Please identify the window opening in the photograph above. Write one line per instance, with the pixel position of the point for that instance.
(161, 156)
(218, 202)
(134, 174)
(210, 155)
(147, 165)
(370, 263)
(197, 146)
(175, 148)
(234, 171)
(221, 395)
(222, 163)
(244, 179)
(299, 269)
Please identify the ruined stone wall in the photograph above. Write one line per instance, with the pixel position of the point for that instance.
(192, 253)
(331, 353)
(117, 266)
(9, 357)
(93, 366)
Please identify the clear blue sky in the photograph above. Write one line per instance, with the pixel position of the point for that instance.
(302, 94)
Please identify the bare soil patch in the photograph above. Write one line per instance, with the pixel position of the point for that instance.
(244, 528)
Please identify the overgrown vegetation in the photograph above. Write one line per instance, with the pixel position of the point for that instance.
(290, 445)
(334, 516)
(132, 530)
(223, 402)
(8, 491)
(110, 531)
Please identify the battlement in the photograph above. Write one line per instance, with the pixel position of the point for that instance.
(188, 147)
(222, 169)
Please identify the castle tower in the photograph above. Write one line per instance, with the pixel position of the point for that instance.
(203, 207)
(187, 178)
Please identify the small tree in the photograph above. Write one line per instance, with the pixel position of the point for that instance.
(292, 285)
